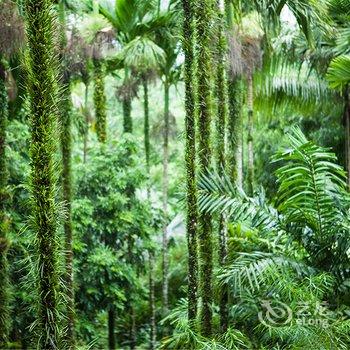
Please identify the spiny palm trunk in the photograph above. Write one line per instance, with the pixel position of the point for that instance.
(127, 120)
(234, 131)
(100, 101)
(347, 134)
(190, 157)
(204, 63)
(153, 329)
(146, 131)
(165, 253)
(66, 149)
(220, 126)
(127, 115)
(4, 242)
(43, 92)
(128, 128)
(86, 127)
(250, 136)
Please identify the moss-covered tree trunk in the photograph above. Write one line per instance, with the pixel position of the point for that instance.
(100, 101)
(346, 122)
(234, 129)
(127, 101)
(234, 123)
(190, 158)
(165, 253)
(86, 126)
(204, 18)
(220, 147)
(152, 305)
(66, 149)
(42, 71)
(4, 242)
(250, 100)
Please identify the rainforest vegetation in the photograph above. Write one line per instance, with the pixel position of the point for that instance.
(174, 174)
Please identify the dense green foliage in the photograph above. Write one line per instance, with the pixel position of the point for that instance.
(174, 174)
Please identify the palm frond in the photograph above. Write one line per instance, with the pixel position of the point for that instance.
(310, 185)
(142, 54)
(338, 74)
(218, 194)
(255, 270)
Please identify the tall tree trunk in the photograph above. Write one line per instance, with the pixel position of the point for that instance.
(165, 253)
(190, 157)
(100, 101)
(127, 115)
(4, 242)
(152, 306)
(66, 149)
(86, 127)
(220, 149)
(111, 327)
(234, 131)
(43, 92)
(204, 64)
(146, 132)
(347, 134)
(127, 120)
(250, 99)
(128, 128)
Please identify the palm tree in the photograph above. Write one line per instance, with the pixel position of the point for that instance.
(43, 93)
(133, 22)
(98, 37)
(203, 16)
(11, 38)
(190, 157)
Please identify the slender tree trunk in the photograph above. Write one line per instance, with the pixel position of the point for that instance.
(127, 115)
(165, 253)
(4, 242)
(152, 306)
(190, 158)
(234, 131)
(250, 136)
(86, 128)
(66, 149)
(204, 65)
(347, 134)
(220, 126)
(127, 120)
(111, 327)
(100, 101)
(146, 132)
(239, 153)
(43, 92)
